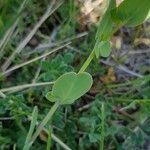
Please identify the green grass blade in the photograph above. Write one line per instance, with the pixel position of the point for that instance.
(49, 140)
(32, 126)
(102, 127)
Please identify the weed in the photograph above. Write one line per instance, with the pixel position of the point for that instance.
(103, 125)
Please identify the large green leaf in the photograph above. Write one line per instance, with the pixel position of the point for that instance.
(102, 48)
(131, 12)
(70, 87)
(106, 23)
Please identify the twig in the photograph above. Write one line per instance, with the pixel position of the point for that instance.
(32, 60)
(76, 50)
(140, 51)
(48, 45)
(124, 113)
(2, 94)
(6, 118)
(42, 47)
(63, 145)
(23, 43)
(84, 107)
(56, 139)
(9, 32)
(21, 87)
(123, 68)
(7, 38)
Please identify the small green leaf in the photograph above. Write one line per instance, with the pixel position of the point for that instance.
(70, 87)
(131, 12)
(102, 48)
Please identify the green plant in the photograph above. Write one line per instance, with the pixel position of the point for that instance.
(32, 126)
(110, 116)
(71, 86)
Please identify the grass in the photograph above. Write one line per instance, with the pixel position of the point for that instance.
(102, 131)
(112, 115)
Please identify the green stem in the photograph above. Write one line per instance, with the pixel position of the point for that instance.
(87, 62)
(32, 127)
(102, 127)
(44, 122)
(49, 140)
(92, 54)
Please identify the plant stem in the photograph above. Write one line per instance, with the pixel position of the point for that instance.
(49, 140)
(87, 62)
(32, 127)
(102, 127)
(44, 122)
(92, 54)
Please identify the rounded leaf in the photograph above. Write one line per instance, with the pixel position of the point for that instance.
(102, 48)
(69, 87)
(131, 12)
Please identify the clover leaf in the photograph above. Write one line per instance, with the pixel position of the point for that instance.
(131, 12)
(102, 48)
(69, 87)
